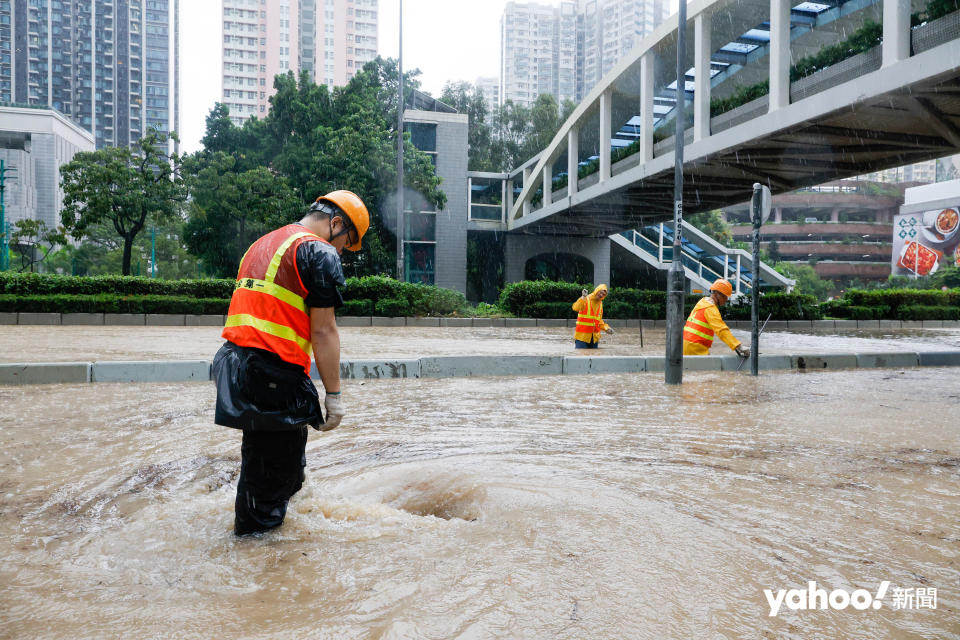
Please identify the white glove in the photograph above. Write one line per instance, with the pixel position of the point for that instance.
(333, 403)
(743, 352)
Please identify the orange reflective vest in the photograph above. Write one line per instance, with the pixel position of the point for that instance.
(589, 322)
(268, 309)
(697, 329)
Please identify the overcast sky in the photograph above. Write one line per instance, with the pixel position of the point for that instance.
(445, 39)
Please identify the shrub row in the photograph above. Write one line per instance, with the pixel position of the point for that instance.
(927, 312)
(33, 284)
(382, 296)
(109, 303)
(374, 295)
(546, 299)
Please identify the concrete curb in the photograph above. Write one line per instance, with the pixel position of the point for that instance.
(366, 369)
(44, 373)
(469, 366)
(217, 320)
(150, 371)
(574, 365)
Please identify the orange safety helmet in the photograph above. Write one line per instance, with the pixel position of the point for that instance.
(351, 204)
(723, 286)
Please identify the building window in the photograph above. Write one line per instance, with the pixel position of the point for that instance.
(419, 262)
(423, 135)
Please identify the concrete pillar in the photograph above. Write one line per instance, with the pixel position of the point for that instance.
(601, 262)
(547, 184)
(573, 160)
(779, 54)
(646, 107)
(896, 31)
(778, 215)
(606, 115)
(835, 215)
(509, 198)
(701, 95)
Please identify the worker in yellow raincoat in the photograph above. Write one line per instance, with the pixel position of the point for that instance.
(590, 322)
(705, 322)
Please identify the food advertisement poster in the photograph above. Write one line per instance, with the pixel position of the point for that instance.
(925, 242)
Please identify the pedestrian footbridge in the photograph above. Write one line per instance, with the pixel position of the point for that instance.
(755, 118)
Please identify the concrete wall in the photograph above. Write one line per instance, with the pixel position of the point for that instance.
(520, 248)
(450, 259)
(38, 142)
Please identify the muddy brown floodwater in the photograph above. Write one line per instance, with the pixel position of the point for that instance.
(77, 343)
(605, 506)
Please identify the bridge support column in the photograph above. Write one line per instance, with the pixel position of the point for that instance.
(573, 160)
(646, 108)
(547, 184)
(701, 94)
(606, 115)
(780, 54)
(508, 199)
(896, 31)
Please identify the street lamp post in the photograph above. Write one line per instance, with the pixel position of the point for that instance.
(673, 369)
(400, 257)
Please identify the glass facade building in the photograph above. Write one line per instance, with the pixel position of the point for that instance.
(108, 65)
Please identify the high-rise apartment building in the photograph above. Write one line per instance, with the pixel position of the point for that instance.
(331, 39)
(108, 65)
(925, 172)
(565, 49)
(489, 88)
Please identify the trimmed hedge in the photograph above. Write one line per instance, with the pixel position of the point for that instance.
(896, 304)
(32, 284)
(534, 299)
(389, 297)
(928, 312)
(107, 303)
(362, 295)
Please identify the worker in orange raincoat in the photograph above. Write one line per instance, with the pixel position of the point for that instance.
(590, 322)
(705, 322)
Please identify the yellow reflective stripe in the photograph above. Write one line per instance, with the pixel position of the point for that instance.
(701, 323)
(278, 256)
(583, 315)
(697, 333)
(274, 290)
(271, 328)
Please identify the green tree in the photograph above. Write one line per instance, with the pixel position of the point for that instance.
(230, 209)
(124, 187)
(773, 251)
(465, 98)
(712, 224)
(808, 282)
(32, 242)
(323, 139)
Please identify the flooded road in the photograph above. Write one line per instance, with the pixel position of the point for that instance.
(605, 506)
(86, 344)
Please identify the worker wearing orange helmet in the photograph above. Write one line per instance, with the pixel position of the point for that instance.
(705, 322)
(282, 313)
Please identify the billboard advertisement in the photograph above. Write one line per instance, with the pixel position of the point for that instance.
(924, 242)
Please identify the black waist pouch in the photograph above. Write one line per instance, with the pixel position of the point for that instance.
(258, 390)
